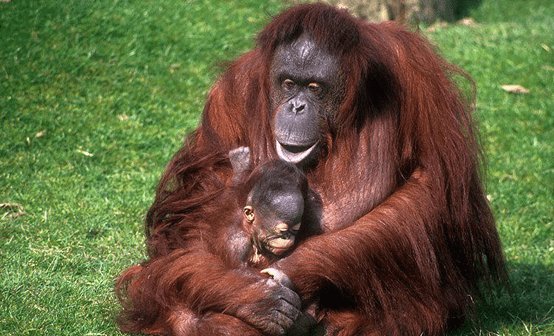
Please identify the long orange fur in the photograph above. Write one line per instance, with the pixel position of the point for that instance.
(407, 231)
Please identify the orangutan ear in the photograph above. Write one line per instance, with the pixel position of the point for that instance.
(248, 213)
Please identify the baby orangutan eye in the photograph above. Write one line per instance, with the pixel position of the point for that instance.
(295, 228)
(281, 227)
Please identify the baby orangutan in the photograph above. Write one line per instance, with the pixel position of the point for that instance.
(273, 213)
(277, 207)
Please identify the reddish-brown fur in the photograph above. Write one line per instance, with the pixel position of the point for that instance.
(209, 233)
(407, 231)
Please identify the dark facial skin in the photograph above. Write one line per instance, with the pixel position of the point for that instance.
(274, 209)
(274, 221)
(306, 91)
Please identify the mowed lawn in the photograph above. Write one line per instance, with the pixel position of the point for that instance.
(96, 96)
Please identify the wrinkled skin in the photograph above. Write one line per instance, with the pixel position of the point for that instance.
(271, 221)
(274, 209)
(276, 314)
(285, 317)
(274, 218)
(306, 93)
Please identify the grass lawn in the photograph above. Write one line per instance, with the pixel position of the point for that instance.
(96, 96)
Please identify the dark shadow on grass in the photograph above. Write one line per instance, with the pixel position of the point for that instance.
(465, 7)
(531, 303)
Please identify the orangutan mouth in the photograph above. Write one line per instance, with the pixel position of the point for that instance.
(293, 153)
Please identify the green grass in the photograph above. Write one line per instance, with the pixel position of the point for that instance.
(513, 44)
(95, 97)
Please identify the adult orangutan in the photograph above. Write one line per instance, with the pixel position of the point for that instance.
(369, 113)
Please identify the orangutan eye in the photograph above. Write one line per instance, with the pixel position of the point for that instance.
(288, 84)
(315, 88)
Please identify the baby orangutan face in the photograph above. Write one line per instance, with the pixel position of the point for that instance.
(274, 222)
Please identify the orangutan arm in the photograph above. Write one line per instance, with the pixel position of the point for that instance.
(201, 282)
